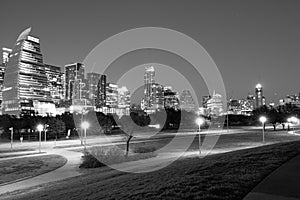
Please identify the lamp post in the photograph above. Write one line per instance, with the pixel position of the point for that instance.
(11, 137)
(199, 121)
(40, 128)
(263, 120)
(85, 125)
(46, 126)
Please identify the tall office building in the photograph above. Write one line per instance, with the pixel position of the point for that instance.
(215, 104)
(96, 80)
(101, 93)
(187, 102)
(2, 70)
(111, 97)
(5, 57)
(158, 93)
(74, 76)
(25, 89)
(148, 87)
(204, 100)
(6, 52)
(55, 82)
(123, 101)
(171, 98)
(259, 98)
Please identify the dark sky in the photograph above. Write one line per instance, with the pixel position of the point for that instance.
(250, 41)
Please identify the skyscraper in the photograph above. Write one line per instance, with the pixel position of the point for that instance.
(55, 82)
(215, 104)
(148, 87)
(123, 101)
(158, 93)
(5, 57)
(111, 97)
(101, 92)
(171, 99)
(259, 98)
(96, 80)
(2, 70)
(74, 76)
(25, 82)
(187, 102)
(5, 54)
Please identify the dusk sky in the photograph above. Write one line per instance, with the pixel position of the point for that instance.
(250, 41)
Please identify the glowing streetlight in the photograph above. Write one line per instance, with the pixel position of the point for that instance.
(199, 121)
(40, 128)
(85, 125)
(292, 120)
(263, 120)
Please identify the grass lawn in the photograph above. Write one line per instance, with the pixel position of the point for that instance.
(221, 176)
(16, 155)
(15, 150)
(20, 168)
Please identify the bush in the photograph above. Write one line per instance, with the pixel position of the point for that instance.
(103, 156)
(144, 149)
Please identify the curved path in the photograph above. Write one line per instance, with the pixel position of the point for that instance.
(70, 169)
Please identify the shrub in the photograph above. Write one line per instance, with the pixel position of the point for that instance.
(144, 149)
(89, 161)
(102, 156)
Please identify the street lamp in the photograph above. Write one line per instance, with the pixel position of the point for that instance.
(199, 121)
(85, 125)
(46, 126)
(40, 128)
(263, 120)
(292, 120)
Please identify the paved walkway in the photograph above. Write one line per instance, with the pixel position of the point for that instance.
(70, 169)
(282, 184)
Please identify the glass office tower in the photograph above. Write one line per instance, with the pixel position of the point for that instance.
(25, 81)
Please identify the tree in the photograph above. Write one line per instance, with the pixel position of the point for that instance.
(55, 128)
(129, 126)
(275, 116)
(5, 123)
(126, 124)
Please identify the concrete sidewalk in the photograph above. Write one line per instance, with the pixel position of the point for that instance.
(70, 169)
(282, 184)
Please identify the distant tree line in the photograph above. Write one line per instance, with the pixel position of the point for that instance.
(168, 119)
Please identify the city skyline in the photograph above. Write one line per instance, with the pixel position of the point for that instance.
(137, 99)
(244, 39)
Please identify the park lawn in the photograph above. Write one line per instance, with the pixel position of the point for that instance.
(17, 155)
(19, 168)
(221, 176)
(15, 150)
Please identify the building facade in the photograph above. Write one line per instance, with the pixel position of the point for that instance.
(158, 93)
(25, 82)
(171, 98)
(259, 98)
(55, 82)
(74, 78)
(111, 98)
(187, 102)
(123, 101)
(149, 82)
(101, 93)
(215, 105)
